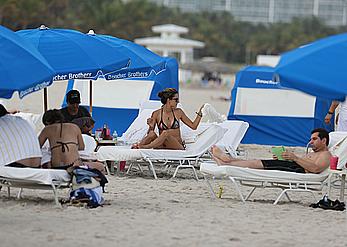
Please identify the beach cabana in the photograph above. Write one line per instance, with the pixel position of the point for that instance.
(318, 68)
(276, 115)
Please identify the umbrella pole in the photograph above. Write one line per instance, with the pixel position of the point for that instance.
(91, 97)
(45, 101)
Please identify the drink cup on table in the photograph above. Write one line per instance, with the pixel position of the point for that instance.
(122, 165)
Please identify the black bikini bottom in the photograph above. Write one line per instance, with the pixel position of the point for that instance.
(63, 167)
(19, 165)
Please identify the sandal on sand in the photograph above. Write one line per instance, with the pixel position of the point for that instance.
(326, 203)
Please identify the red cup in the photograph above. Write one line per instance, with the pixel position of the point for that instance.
(122, 165)
(333, 162)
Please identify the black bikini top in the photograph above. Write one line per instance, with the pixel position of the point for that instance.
(162, 125)
(63, 145)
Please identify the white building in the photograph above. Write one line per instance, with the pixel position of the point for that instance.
(169, 43)
(331, 12)
(268, 60)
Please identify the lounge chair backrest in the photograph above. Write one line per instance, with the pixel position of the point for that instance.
(232, 138)
(206, 140)
(138, 129)
(336, 137)
(89, 147)
(338, 146)
(149, 104)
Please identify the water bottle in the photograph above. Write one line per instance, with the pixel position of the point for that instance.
(104, 133)
(114, 136)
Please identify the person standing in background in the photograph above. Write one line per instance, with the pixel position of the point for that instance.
(74, 113)
(342, 116)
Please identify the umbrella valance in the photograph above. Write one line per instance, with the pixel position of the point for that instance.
(143, 62)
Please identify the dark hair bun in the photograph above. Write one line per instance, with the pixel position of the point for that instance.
(167, 93)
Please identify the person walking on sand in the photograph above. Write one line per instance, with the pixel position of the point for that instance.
(167, 119)
(313, 162)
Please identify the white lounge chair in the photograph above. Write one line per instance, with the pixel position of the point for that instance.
(232, 138)
(338, 147)
(287, 181)
(193, 153)
(33, 178)
(257, 178)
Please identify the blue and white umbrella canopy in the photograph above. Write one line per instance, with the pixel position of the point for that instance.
(318, 68)
(22, 68)
(75, 55)
(143, 62)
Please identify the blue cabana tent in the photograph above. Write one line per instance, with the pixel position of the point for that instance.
(116, 102)
(318, 68)
(277, 115)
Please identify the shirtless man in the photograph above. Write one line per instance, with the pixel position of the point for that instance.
(314, 162)
(65, 140)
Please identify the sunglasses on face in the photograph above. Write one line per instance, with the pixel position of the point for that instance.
(176, 99)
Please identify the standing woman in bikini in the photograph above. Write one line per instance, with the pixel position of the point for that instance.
(65, 139)
(167, 119)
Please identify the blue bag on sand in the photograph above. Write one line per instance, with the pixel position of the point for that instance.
(93, 197)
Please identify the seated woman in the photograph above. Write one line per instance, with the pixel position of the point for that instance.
(167, 118)
(65, 139)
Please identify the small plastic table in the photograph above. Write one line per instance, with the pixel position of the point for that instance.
(111, 143)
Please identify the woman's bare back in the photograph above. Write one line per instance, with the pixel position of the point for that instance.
(65, 140)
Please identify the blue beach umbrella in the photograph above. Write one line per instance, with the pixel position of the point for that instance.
(75, 55)
(22, 68)
(143, 62)
(318, 68)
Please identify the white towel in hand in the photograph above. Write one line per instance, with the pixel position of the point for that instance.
(211, 115)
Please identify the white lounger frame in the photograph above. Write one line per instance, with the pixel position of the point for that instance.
(285, 185)
(29, 184)
(188, 158)
(169, 162)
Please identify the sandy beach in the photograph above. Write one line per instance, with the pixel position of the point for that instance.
(141, 211)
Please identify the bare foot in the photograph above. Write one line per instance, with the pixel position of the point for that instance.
(135, 146)
(220, 156)
(216, 151)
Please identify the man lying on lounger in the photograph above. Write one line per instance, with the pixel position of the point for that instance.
(19, 146)
(313, 162)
